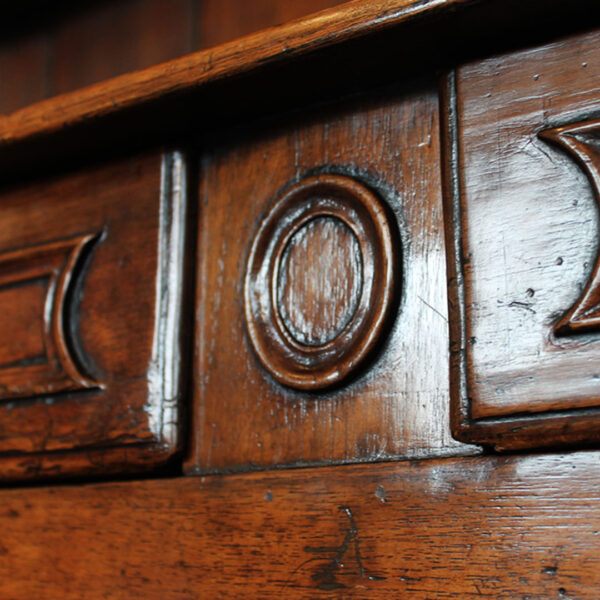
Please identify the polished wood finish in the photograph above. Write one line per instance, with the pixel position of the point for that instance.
(319, 218)
(491, 527)
(319, 280)
(397, 403)
(91, 271)
(39, 352)
(318, 299)
(192, 72)
(319, 58)
(526, 234)
(579, 140)
(48, 49)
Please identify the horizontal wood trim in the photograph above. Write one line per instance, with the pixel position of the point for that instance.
(88, 462)
(493, 527)
(193, 71)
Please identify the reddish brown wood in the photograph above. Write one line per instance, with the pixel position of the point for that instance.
(93, 45)
(580, 141)
(219, 21)
(496, 527)
(106, 322)
(165, 30)
(50, 367)
(526, 240)
(502, 528)
(23, 71)
(23, 321)
(229, 60)
(57, 49)
(397, 404)
(304, 336)
(319, 281)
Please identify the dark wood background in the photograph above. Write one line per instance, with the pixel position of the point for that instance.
(48, 48)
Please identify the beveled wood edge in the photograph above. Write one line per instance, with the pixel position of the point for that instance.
(97, 462)
(579, 427)
(166, 373)
(321, 30)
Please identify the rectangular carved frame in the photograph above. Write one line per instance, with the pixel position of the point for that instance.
(517, 431)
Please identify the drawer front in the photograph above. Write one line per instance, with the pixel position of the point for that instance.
(90, 306)
(322, 310)
(523, 195)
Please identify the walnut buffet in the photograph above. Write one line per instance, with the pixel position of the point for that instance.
(312, 312)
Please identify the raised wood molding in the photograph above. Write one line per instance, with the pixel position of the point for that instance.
(491, 527)
(54, 368)
(286, 349)
(523, 289)
(394, 400)
(91, 377)
(280, 68)
(188, 73)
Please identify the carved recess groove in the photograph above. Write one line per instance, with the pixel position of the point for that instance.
(582, 141)
(35, 284)
(320, 281)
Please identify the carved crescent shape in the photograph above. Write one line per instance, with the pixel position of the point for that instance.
(288, 357)
(582, 141)
(53, 265)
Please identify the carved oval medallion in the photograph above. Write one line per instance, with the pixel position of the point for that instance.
(320, 281)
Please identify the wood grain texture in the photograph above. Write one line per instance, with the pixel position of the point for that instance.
(580, 140)
(49, 49)
(397, 405)
(319, 281)
(53, 367)
(196, 70)
(528, 220)
(104, 392)
(22, 318)
(282, 338)
(53, 49)
(318, 58)
(501, 528)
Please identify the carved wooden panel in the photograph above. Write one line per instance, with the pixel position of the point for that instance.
(37, 357)
(522, 179)
(321, 297)
(581, 141)
(91, 289)
(321, 281)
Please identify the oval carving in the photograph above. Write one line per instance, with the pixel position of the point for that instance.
(320, 281)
